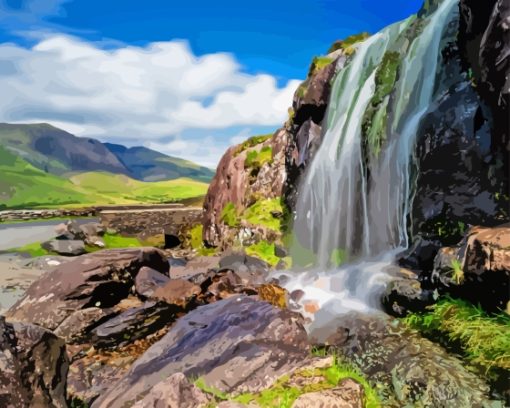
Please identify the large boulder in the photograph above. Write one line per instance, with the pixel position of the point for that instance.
(148, 280)
(236, 345)
(33, 367)
(100, 279)
(478, 268)
(414, 369)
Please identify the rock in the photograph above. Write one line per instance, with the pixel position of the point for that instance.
(237, 345)
(413, 368)
(92, 229)
(95, 241)
(420, 256)
(280, 251)
(177, 292)
(274, 294)
(240, 262)
(224, 284)
(100, 279)
(133, 324)
(79, 324)
(238, 184)
(405, 294)
(478, 269)
(65, 247)
(195, 266)
(347, 394)
(148, 280)
(33, 367)
(174, 392)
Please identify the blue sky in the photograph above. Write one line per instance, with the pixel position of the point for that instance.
(264, 46)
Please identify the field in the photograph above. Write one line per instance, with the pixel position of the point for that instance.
(24, 186)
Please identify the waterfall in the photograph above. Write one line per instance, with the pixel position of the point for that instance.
(354, 200)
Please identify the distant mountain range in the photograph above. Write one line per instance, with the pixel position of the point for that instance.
(60, 153)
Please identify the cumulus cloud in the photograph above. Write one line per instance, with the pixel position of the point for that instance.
(146, 94)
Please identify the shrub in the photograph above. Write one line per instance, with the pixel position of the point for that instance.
(229, 215)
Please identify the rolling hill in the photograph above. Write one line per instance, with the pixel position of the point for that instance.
(58, 152)
(43, 166)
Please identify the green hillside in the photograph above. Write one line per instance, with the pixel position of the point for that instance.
(24, 186)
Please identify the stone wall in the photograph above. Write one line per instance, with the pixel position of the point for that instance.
(150, 221)
(26, 215)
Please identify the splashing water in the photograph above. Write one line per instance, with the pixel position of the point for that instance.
(356, 205)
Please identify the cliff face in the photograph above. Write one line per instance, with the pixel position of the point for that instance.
(462, 148)
(462, 151)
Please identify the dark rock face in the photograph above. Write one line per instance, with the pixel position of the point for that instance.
(100, 279)
(416, 370)
(462, 150)
(133, 324)
(403, 295)
(478, 269)
(238, 344)
(33, 367)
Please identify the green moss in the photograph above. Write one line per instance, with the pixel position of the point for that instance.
(450, 232)
(338, 257)
(263, 250)
(347, 44)
(267, 213)
(301, 91)
(196, 242)
(255, 159)
(118, 241)
(320, 63)
(458, 273)
(375, 117)
(252, 142)
(32, 250)
(283, 392)
(484, 340)
(229, 215)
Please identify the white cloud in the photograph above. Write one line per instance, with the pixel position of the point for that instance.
(144, 94)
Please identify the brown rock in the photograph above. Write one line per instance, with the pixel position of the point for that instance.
(237, 345)
(75, 327)
(100, 279)
(178, 292)
(347, 394)
(33, 367)
(174, 392)
(195, 266)
(148, 280)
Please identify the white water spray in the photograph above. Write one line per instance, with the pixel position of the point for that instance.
(339, 209)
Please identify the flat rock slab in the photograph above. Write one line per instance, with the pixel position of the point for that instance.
(238, 344)
(33, 367)
(414, 368)
(66, 247)
(100, 279)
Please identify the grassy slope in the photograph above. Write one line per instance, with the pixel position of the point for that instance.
(23, 185)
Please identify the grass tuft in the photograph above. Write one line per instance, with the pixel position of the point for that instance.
(263, 250)
(229, 215)
(484, 339)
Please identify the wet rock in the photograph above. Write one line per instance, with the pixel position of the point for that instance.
(237, 345)
(133, 324)
(413, 368)
(178, 292)
(347, 394)
(405, 294)
(174, 392)
(33, 367)
(148, 280)
(100, 279)
(65, 247)
(478, 269)
(274, 294)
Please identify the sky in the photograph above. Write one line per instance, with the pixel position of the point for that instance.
(188, 78)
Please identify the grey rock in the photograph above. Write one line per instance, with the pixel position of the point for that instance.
(237, 345)
(78, 325)
(33, 367)
(148, 280)
(65, 247)
(413, 368)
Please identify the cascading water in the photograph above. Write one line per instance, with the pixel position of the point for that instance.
(354, 199)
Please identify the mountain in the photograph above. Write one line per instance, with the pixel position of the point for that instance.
(58, 152)
(149, 165)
